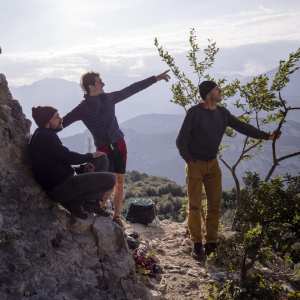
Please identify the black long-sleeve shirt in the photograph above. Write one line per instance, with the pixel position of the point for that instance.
(202, 131)
(51, 161)
(98, 113)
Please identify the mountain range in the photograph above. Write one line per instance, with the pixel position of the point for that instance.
(65, 95)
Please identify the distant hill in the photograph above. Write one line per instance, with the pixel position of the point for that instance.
(154, 123)
(155, 153)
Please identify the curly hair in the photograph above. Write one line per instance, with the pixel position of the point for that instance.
(88, 79)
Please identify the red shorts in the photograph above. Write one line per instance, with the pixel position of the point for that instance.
(117, 156)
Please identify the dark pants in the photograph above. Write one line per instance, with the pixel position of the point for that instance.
(82, 188)
(100, 163)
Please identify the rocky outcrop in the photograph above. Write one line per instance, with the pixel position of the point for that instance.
(44, 253)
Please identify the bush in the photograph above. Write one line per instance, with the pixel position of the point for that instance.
(266, 223)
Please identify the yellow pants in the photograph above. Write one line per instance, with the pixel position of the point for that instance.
(207, 173)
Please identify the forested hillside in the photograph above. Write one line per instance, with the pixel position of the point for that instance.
(168, 196)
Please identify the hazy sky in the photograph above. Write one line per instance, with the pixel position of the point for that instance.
(65, 38)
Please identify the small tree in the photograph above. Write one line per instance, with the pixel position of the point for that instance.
(259, 98)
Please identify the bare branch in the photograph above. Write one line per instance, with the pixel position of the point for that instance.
(224, 162)
(288, 156)
(253, 146)
(283, 104)
(256, 117)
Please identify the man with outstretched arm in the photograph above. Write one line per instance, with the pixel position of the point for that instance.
(75, 188)
(198, 142)
(97, 112)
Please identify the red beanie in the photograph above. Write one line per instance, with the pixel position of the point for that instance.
(43, 114)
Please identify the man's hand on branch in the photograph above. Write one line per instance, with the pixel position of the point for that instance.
(163, 76)
(272, 135)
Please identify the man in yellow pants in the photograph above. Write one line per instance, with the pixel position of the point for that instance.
(198, 142)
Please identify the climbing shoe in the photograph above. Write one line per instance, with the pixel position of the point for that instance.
(75, 210)
(118, 221)
(96, 208)
(103, 207)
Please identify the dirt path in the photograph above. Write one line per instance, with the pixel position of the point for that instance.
(183, 277)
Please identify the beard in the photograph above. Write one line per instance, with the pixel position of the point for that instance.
(56, 128)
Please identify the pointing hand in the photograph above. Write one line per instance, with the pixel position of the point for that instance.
(163, 76)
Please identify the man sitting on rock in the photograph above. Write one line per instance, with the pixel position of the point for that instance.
(78, 189)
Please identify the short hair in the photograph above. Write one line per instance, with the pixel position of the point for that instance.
(88, 79)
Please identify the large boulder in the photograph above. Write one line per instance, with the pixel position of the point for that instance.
(45, 253)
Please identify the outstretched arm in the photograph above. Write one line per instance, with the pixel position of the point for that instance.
(246, 129)
(73, 116)
(134, 88)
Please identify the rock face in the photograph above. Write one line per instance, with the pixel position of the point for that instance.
(44, 254)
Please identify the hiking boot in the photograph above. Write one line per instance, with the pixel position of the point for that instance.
(118, 221)
(96, 208)
(210, 248)
(198, 253)
(75, 210)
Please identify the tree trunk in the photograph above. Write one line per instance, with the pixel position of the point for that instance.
(238, 198)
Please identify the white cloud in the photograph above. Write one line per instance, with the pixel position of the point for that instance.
(266, 10)
(62, 38)
(252, 67)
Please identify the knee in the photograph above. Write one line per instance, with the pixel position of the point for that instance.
(113, 177)
(111, 180)
(213, 210)
(119, 182)
(100, 163)
(193, 208)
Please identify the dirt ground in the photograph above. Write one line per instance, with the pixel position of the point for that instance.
(183, 277)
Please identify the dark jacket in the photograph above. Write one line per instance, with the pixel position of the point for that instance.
(51, 161)
(202, 130)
